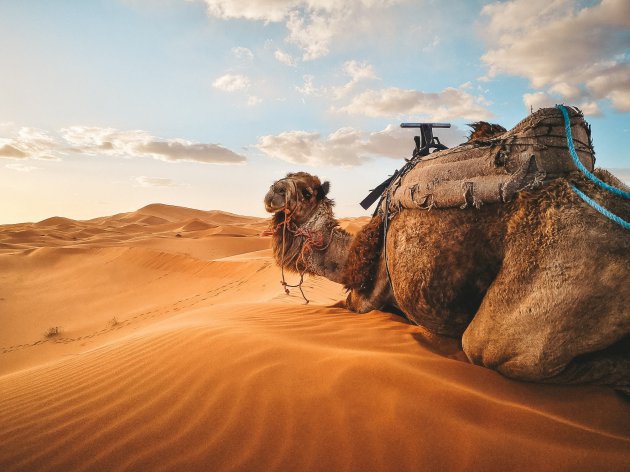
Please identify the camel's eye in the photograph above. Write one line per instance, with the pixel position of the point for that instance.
(307, 194)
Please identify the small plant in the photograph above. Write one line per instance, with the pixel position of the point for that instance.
(52, 332)
(114, 322)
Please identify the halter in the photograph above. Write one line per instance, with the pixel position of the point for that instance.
(312, 240)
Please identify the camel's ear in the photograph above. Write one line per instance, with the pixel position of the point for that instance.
(323, 190)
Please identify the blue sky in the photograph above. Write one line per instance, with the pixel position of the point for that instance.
(106, 106)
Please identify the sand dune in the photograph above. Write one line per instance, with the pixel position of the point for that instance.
(183, 353)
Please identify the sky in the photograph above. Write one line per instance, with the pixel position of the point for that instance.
(109, 105)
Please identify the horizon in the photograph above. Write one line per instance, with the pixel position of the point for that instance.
(113, 105)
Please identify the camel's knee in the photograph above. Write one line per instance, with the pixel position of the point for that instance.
(509, 357)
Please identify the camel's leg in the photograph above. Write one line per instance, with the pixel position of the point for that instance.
(563, 292)
(442, 262)
(379, 298)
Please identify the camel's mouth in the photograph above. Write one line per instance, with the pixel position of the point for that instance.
(274, 210)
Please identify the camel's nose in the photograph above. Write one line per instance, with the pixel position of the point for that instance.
(276, 197)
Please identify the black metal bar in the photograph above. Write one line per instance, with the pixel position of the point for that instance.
(419, 125)
(424, 143)
(376, 193)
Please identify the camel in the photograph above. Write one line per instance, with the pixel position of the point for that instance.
(537, 289)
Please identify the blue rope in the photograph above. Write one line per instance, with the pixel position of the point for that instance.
(596, 206)
(578, 163)
(600, 208)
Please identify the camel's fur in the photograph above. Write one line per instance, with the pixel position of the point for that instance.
(482, 130)
(360, 271)
(538, 288)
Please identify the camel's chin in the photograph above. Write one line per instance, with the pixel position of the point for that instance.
(274, 209)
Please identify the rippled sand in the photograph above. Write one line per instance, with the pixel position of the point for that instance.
(183, 353)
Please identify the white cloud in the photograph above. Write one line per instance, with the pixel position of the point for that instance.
(309, 87)
(536, 100)
(312, 25)
(144, 181)
(231, 82)
(174, 150)
(263, 10)
(313, 34)
(284, 57)
(448, 104)
(357, 71)
(578, 53)
(432, 44)
(94, 140)
(31, 143)
(622, 173)
(253, 100)
(242, 53)
(345, 146)
(590, 108)
(19, 167)
(138, 143)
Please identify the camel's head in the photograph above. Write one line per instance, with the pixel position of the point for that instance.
(297, 195)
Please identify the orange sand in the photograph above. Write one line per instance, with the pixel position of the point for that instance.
(183, 353)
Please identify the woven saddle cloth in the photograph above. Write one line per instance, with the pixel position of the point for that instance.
(492, 171)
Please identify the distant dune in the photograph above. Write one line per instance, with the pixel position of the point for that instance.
(161, 339)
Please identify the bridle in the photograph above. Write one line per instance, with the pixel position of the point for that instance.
(312, 240)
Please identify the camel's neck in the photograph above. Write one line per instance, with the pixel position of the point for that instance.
(318, 247)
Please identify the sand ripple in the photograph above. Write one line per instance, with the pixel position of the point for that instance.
(296, 388)
(182, 353)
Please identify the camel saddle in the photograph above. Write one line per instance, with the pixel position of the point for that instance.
(492, 170)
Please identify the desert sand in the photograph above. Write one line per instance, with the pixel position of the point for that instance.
(162, 340)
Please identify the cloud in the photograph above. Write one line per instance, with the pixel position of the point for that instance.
(10, 150)
(242, 53)
(138, 143)
(31, 143)
(263, 10)
(313, 34)
(19, 167)
(182, 150)
(537, 100)
(284, 57)
(345, 146)
(578, 53)
(357, 71)
(309, 87)
(622, 173)
(253, 100)
(312, 25)
(231, 82)
(448, 104)
(144, 181)
(432, 44)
